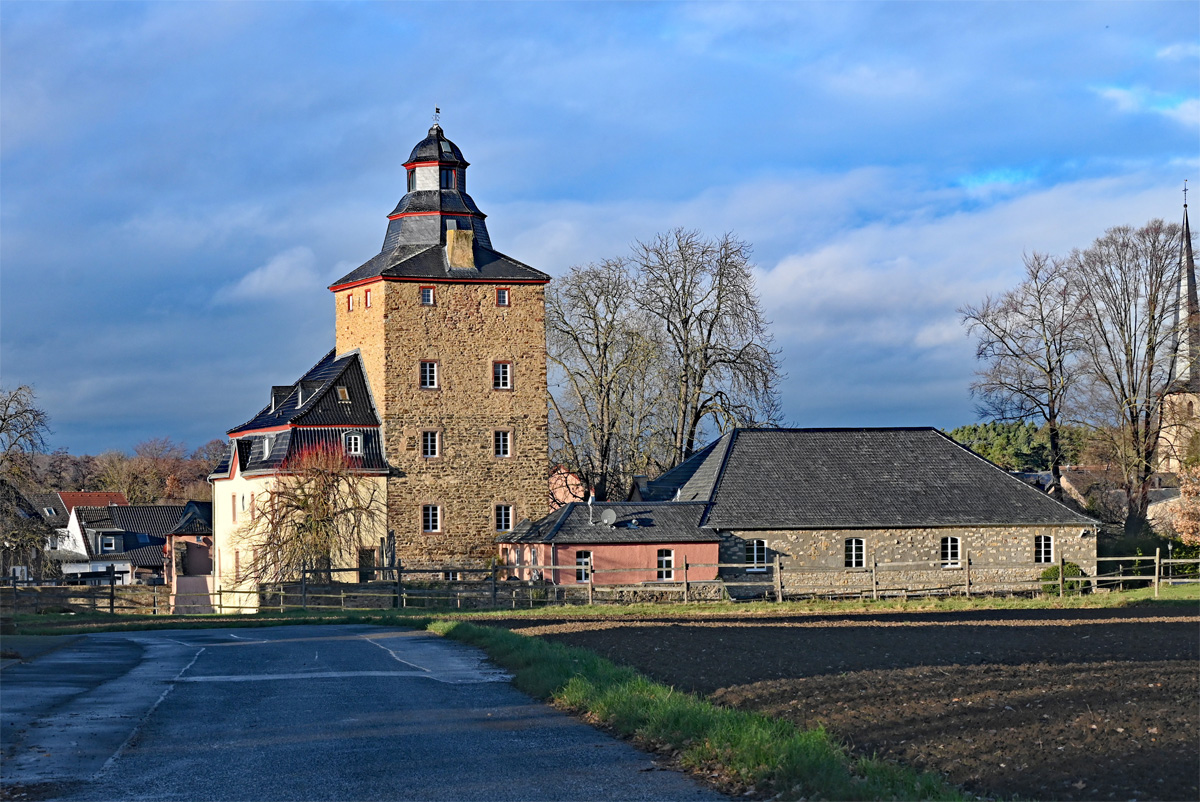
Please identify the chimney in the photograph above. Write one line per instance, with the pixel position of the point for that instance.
(460, 248)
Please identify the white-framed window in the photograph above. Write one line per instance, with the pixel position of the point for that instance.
(502, 376)
(502, 296)
(450, 576)
(268, 444)
(354, 444)
(431, 518)
(50, 512)
(666, 565)
(429, 375)
(427, 296)
(504, 515)
(343, 394)
(951, 552)
(502, 443)
(856, 552)
(430, 444)
(108, 543)
(756, 555)
(583, 566)
(367, 298)
(1043, 549)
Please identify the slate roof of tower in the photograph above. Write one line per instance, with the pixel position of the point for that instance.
(857, 478)
(319, 406)
(656, 523)
(1185, 369)
(435, 147)
(429, 262)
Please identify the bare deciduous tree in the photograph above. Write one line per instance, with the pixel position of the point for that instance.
(1028, 342)
(1127, 282)
(604, 404)
(23, 429)
(318, 512)
(720, 361)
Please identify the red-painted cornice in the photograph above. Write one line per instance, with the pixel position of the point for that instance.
(426, 280)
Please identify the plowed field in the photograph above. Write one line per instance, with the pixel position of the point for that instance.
(1073, 705)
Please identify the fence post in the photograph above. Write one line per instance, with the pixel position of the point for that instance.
(279, 590)
(874, 577)
(1157, 569)
(154, 589)
(112, 588)
(967, 570)
(493, 587)
(685, 581)
(778, 580)
(1061, 571)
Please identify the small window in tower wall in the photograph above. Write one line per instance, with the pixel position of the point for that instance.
(429, 445)
(502, 297)
(503, 517)
(429, 375)
(431, 518)
(502, 376)
(412, 179)
(502, 443)
(427, 296)
(367, 298)
(349, 302)
(448, 178)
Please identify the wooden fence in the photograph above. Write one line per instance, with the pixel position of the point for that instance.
(495, 587)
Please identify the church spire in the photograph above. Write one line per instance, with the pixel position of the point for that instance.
(1187, 351)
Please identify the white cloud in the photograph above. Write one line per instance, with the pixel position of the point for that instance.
(1137, 100)
(287, 274)
(1179, 51)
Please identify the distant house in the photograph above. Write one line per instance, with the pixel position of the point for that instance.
(68, 545)
(130, 538)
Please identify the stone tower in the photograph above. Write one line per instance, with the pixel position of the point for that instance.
(1181, 399)
(452, 339)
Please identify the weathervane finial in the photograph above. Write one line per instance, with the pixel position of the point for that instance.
(437, 116)
(1185, 188)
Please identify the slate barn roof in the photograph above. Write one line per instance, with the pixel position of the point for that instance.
(655, 523)
(855, 479)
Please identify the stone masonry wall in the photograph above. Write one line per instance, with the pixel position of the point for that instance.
(998, 555)
(464, 332)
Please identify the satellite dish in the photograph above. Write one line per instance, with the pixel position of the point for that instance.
(608, 517)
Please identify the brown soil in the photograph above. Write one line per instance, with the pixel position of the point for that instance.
(1072, 705)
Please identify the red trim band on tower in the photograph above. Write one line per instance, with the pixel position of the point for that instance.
(426, 214)
(428, 280)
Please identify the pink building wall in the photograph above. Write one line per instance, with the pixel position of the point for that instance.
(640, 558)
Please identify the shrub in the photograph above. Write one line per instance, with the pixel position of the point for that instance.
(1050, 579)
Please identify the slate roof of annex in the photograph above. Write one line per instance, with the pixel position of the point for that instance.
(857, 479)
(95, 517)
(316, 384)
(429, 262)
(656, 523)
(50, 501)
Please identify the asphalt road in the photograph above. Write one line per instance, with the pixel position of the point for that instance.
(300, 713)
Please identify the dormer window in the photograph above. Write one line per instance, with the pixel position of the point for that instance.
(268, 444)
(50, 513)
(343, 395)
(448, 177)
(354, 444)
(412, 179)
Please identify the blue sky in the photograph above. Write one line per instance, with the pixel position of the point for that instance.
(179, 182)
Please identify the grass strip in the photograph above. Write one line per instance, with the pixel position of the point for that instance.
(743, 752)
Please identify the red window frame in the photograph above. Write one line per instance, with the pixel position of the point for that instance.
(349, 302)
(432, 295)
(366, 299)
(507, 296)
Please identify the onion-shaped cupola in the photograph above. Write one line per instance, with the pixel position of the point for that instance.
(437, 199)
